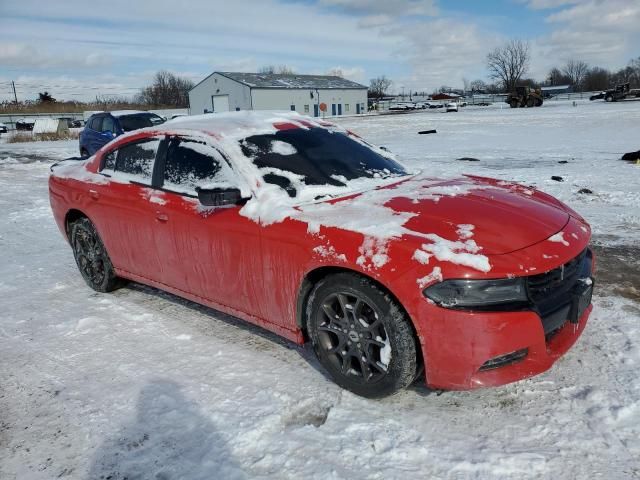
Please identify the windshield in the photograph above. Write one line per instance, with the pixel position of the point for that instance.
(139, 120)
(316, 156)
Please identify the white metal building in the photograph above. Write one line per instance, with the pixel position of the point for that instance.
(305, 94)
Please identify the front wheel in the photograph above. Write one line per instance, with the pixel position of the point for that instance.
(91, 256)
(361, 336)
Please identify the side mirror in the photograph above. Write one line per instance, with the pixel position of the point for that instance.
(219, 197)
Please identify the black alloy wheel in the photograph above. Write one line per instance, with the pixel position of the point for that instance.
(361, 336)
(91, 257)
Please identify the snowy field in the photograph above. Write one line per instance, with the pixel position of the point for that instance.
(140, 384)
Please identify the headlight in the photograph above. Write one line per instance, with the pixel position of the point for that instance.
(477, 293)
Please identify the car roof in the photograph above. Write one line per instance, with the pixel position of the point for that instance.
(240, 123)
(121, 113)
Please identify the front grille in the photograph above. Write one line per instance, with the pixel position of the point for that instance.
(555, 282)
(552, 292)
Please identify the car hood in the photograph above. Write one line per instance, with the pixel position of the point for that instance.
(500, 217)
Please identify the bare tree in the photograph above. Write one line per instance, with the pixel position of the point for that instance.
(167, 89)
(576, 70)
(378, 86)
(273, 69)
(596, 79)
(477, 86)
(508, 63)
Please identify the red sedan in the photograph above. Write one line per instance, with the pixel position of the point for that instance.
(307, 230)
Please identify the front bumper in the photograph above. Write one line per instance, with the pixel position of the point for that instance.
(465, 349)
(469, 339)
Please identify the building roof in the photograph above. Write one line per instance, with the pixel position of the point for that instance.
(278, 80)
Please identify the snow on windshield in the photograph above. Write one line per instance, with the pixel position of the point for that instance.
(282, 148)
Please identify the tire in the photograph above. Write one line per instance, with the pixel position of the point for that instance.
(91, 257)
(361, 336)
(539, 102)
(531, 102)
(514, 103)
(84, 153)
(608, 98)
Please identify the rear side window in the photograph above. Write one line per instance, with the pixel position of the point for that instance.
(191, 164)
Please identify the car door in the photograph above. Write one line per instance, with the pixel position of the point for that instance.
(122, 211)
(210, 252)
(93, 130)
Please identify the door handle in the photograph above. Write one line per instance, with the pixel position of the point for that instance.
(162, 217)
(94, 194)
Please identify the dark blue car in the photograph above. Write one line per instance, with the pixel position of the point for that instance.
(103, 127)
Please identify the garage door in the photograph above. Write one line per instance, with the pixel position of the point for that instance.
(220, 103)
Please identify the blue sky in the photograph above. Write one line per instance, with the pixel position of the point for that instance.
(78, 49)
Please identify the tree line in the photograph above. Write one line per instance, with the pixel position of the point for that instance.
(508, 66)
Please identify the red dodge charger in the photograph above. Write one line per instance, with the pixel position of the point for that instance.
(307, 230)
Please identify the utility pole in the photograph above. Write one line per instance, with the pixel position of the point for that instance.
(13, 84)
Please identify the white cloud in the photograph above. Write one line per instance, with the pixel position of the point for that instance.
(548, 4)
(388, 7)
(600, 33)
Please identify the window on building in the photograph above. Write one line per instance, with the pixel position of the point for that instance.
(293, 108)
(190, 164)
(346, 107)
(306, 109)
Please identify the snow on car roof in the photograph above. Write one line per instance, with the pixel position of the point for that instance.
(242, 124)
(120, 113)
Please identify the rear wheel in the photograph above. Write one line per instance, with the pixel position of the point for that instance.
(514, 103)
(361, 336)
(91, 257)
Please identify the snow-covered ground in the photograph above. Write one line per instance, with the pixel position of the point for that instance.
(140, 384)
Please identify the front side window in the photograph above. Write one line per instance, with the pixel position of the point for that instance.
(191, 164)
(108, 125)
(96, 124)
(134, 161)
(109, 162)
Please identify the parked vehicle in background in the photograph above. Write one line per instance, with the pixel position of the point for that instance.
(620, 92)
(3, 128)
(402, 106)
(260, 215)
(525, 97)
(25, 124)
(103, 127)
(72, 122)
(452, 107)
